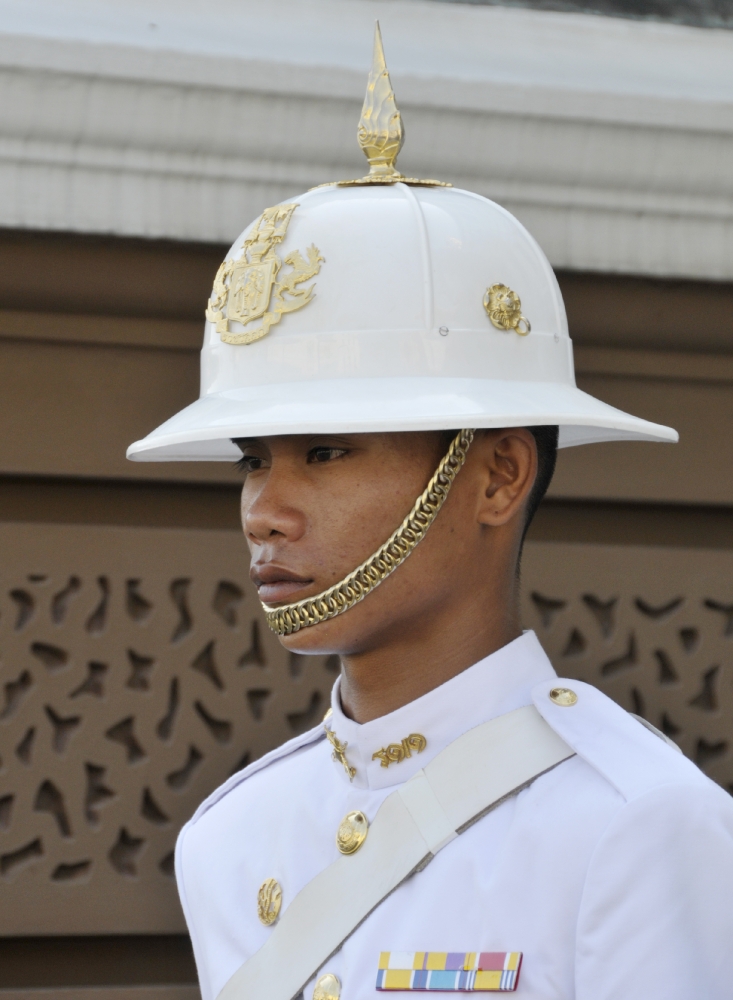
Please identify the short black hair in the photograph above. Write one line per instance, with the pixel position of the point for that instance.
(546, 439)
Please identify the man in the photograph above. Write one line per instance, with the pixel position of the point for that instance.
(463, 820)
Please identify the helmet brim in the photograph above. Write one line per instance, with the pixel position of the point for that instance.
(204, 430)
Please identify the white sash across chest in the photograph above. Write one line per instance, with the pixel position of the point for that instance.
(468, 779)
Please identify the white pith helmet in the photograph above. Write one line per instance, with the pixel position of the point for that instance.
(385, 304)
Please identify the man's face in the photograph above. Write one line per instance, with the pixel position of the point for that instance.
(315, 507)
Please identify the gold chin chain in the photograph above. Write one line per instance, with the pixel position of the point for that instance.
(354, 588)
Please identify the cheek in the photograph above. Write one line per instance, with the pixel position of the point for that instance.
(432, 579)
(347, 528)
(447, 551)
(358, 523)
(245, 502)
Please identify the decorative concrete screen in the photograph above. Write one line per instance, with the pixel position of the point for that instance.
(652, 628)
(136, 675)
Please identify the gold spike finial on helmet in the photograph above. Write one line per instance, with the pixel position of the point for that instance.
(381, 132)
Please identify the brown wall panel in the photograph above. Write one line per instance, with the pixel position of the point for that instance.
(622, 311)
(64, 500)
(215, 506)
(77, 384)
(125, 277)
(189, 992)
(106, 275)
(102, 961)
(73, 409)
(97, 347)
(650, 524)
(96, 328)
(697, 470)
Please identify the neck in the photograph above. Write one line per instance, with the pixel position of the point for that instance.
(420, 655)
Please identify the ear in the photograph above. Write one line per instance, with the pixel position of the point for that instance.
(510, 469)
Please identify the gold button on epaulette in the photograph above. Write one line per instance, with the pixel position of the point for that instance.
(352, 832)
(269, 901)
(328, 987)
(563, 696)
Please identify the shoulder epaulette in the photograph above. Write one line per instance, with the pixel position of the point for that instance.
(632, 756)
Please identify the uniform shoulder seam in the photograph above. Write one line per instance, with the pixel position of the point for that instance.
(311, 736)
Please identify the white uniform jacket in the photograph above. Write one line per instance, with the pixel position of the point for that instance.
(612, 873)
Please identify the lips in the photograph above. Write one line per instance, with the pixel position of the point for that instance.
(277, 583)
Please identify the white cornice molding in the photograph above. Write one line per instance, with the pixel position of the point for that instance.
(612, 140)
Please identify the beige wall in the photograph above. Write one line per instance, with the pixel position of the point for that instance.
(99, 343)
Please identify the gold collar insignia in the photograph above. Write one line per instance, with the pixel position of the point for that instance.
(339, 753)
(397, 752)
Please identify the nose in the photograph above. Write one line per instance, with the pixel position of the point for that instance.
(270, 511)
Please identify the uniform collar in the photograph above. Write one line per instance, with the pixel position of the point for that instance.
(495, 685)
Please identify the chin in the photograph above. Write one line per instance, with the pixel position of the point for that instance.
(363, 628)
(324, 639)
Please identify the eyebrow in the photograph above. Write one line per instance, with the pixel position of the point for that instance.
(244, 442)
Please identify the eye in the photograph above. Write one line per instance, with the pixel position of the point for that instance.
(249, 463)
(322, 453)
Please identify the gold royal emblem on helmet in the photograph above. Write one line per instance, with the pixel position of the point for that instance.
(254, 288)
(504, 309)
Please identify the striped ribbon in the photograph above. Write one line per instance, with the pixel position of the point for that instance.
(450, 972)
